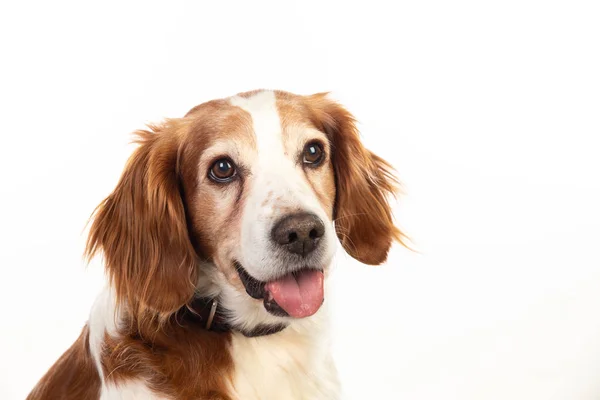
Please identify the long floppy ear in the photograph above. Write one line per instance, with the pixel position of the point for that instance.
(142, 232)
(364, 182)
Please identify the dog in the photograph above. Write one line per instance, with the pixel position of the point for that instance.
(218, 242)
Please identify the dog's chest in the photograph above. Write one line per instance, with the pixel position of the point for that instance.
(284, 366)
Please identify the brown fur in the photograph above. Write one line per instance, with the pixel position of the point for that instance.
(72, 377)
(142, 231)
(182, 360)
(161, 221)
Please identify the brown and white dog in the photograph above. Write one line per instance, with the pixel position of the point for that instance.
(218, 241)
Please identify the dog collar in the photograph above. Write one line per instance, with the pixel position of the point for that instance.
(211, 316)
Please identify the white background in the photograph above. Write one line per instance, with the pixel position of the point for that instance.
(490, 111)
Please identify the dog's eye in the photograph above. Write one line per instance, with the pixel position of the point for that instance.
(313, 153)
(223, 170)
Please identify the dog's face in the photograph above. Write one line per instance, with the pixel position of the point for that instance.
(243, 199)
(269, 184)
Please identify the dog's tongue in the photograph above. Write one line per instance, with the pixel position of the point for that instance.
(301, 295)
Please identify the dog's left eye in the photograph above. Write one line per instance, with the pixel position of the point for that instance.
(313, 153)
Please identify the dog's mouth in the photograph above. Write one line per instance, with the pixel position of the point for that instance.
(298, 294)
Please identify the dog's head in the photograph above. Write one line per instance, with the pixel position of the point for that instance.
(243, 199)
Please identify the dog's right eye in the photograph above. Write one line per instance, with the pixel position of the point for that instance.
(222, 170)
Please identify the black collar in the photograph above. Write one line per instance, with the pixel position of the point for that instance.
(211, 315)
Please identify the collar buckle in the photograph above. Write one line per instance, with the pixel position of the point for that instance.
(211, 315)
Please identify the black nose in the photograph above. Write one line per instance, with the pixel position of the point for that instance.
(298, 233)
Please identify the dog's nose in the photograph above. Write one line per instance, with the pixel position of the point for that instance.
(298, 233)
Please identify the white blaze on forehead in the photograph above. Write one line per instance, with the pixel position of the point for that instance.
(272, 170)
(262, 107)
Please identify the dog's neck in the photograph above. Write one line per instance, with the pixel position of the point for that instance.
(212, 316)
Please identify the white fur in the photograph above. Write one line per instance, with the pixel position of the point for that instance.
(295, 363)
(103, 320)
(275, 175)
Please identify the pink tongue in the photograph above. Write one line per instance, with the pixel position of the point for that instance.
(299, 296)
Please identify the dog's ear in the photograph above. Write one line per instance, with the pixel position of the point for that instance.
(141, 229)
(364, 182)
